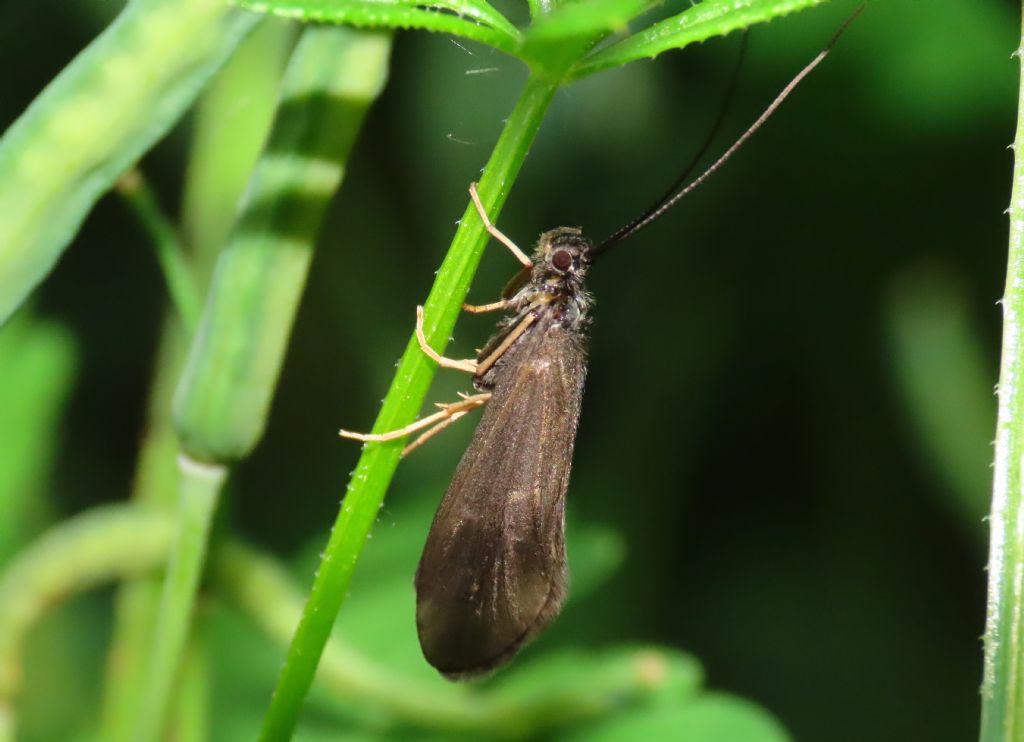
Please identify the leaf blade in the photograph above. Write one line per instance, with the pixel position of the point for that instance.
(98, 116)
(578, 19)
(701, 22)
(472, 19)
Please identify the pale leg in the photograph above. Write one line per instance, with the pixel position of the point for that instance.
(494, 231)
(468, 365)
(447, 414)
(492, 307)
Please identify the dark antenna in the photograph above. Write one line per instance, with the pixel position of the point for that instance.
(723, 110)
(669, 200)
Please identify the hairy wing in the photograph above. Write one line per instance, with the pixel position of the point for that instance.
(493, 570)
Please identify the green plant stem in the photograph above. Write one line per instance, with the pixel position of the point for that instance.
(192, 702)
(376, 466)
(38, 359)
(1002, 716)
(181, 283)
(227, 139)
(101, 545)
(138, 600)
(200, 486)
(89, 549)
(224, 394)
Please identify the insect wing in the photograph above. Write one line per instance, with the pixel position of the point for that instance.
(493, 570)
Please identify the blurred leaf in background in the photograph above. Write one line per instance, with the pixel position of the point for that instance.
(37, 370)
(944, 375)
(37, 366)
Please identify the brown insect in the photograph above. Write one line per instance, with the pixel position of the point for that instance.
(493, 571)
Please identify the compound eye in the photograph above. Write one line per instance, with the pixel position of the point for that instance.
(562, 260)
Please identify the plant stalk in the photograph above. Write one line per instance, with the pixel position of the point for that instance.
(76, 555)
(376, 466)
(170, 253)
(227, 140)
(200, 487)
(224, 395)
(1002, 711)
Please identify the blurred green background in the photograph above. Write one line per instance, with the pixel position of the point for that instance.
(789, 405)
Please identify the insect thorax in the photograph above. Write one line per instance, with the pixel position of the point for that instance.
(556, 288)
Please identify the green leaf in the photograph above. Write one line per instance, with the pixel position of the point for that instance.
(94, 547)
(538, 8)
(595, 553)
(712, 717)
(98, 116)
(223, 397)
(37, 365)
(227, 138)
(710, 18)
(586, 18)
(557, 41)
(471, 19)
(570, 686)
(942, 370)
